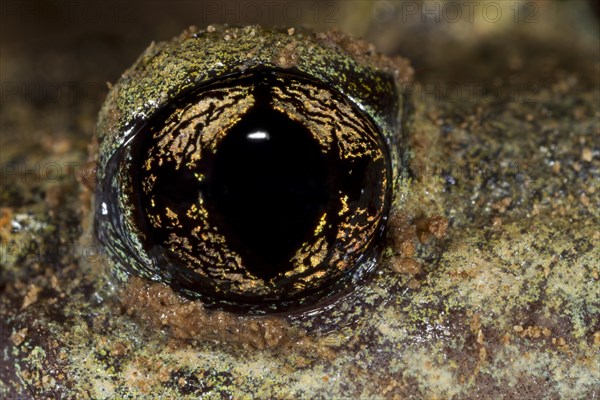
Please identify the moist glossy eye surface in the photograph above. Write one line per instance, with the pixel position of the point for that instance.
(263, 188)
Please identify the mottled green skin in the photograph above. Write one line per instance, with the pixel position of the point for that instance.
(464, 333)
(167, 70)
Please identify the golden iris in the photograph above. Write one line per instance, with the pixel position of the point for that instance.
(257, 188)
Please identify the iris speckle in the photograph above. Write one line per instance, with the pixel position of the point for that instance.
(252, 187)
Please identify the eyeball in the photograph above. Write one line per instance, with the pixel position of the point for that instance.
(248, 168)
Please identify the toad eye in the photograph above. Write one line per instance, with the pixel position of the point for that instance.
(261, 188)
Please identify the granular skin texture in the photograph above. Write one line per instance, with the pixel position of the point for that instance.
(506, 302)
(366, 53)
(157, 306)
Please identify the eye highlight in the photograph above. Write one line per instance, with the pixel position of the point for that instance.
(258, 189)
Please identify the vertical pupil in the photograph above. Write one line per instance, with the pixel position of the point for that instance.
(267, 188)
(261, 186)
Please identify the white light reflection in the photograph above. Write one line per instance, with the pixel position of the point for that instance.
(259, 135)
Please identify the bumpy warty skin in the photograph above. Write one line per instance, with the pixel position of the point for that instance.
(505, 304)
